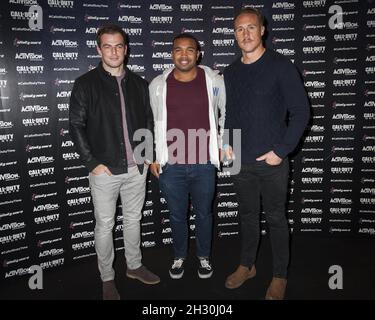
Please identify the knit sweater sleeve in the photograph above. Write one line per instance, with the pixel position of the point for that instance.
(297, 104)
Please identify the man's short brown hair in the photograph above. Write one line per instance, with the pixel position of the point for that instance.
(250, 10)
(110, 29)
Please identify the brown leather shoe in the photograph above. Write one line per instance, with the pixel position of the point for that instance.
(276, 289)
(143, 274)
(237, 278)
(110, 291)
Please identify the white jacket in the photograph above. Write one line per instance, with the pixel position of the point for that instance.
(216, 100)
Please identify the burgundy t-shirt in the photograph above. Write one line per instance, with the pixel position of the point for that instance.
(187, 108)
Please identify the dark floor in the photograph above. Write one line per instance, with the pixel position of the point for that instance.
(308, 277)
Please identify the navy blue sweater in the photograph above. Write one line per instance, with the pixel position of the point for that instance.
(268, 102)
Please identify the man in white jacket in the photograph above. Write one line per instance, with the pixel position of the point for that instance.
(188, 103)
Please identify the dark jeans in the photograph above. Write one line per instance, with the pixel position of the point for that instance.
(260, 180)
(176, 183)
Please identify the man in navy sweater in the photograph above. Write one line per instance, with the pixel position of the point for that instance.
(267, 101)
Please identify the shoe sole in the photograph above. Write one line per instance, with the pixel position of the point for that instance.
(175, 277)
(142, 280)
(205, 276)
(241, 283)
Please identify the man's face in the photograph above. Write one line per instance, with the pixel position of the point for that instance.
(248, 32)
(185, 54)
(112, 50)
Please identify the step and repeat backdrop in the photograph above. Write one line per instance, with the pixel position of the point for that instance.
(46, 213)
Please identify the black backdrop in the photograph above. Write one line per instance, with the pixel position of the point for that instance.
(46, 215)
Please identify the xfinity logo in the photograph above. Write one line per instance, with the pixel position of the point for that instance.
(160, 43)
(29, 148)
(345, 60)
(319, 26)
(65, 43)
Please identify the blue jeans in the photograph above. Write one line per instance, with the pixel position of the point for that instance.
(176, 183)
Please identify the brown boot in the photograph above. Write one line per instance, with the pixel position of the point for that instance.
(110, 291)
(276, 289)
(237, 278)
